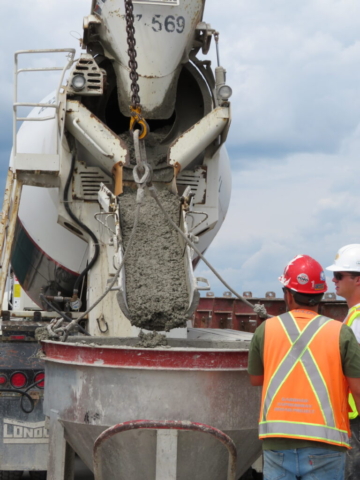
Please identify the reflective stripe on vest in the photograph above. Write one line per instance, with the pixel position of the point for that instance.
(306, 430)
(317, 381)
(354, 413)
(300, 342)
(354, 312)
(300, 352)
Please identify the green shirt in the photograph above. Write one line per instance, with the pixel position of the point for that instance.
(350, 359)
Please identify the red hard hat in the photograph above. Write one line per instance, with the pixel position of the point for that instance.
(304, 275)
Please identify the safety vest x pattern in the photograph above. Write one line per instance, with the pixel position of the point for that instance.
(354, 313)
(326, 428)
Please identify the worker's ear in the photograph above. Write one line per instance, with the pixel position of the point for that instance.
(287, 298)
(357, 281)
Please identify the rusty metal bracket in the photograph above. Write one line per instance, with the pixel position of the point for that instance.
(117, 173)
(164, 425)
(10, 212)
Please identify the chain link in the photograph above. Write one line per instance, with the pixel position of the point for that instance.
(130, 30)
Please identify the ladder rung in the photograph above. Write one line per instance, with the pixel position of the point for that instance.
(37, 161)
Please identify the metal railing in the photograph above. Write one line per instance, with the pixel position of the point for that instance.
(71, 54)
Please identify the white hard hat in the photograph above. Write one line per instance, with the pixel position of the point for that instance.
(347, 259)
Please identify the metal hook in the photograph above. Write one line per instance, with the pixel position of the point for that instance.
(137, 119)
(102, 319)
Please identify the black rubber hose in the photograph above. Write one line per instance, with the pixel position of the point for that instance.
(64, 316)
(81, 225)
(23, 394)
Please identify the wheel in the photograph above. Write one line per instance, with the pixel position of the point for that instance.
(10, 475)
(37, 475)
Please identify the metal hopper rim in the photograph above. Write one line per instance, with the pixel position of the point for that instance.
(128, 357)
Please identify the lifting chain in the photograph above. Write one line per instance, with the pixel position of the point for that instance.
(130, 30)
(135, 108)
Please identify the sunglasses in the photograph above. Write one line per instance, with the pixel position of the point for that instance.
(340, 276)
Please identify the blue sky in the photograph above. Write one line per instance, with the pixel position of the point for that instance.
(295, 137)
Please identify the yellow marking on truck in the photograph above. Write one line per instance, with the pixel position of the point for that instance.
(17, 290)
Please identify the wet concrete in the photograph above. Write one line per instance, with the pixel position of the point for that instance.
(183, 343)
(157, 294)
(156, 152)
(151, 340)
(42, 333)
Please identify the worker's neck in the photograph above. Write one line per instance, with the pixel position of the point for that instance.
(353, 300)
(292, 305)
(306, 307)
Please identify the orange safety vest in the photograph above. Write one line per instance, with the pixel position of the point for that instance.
(305, 392)
(353, 313)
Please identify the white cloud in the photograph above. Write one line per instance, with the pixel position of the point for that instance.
(308, 203)
(293, 69)
(41, 24)
(295, 136)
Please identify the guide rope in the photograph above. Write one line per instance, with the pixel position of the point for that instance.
(259, 309)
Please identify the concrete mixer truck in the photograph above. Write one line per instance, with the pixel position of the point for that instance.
(109, 177)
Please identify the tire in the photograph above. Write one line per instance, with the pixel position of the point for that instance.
(10, 475)
(37, 475)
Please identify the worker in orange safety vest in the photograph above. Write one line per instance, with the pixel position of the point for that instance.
(306, 363)
(346, 276)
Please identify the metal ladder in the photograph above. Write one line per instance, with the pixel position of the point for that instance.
(24, 161)
(38, 161)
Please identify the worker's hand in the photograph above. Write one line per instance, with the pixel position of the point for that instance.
(354, 384)
(258, 380)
